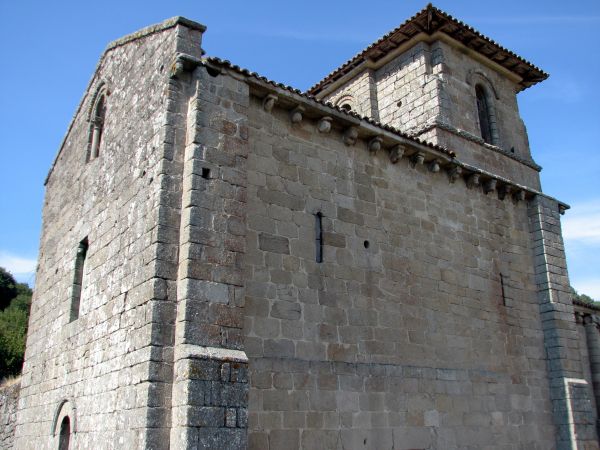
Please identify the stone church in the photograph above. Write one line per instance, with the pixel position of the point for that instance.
(227, 262)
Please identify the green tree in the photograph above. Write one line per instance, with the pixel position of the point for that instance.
(8, 288)
(13, 324)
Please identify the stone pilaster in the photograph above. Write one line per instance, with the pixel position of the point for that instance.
(593, 343)
(210, 387)
(569, 391)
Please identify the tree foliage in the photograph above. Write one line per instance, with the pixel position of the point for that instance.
(8, 288)
(13, 323)
(583, 298)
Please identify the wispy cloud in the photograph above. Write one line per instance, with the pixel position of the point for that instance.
(536, 20)
(582, 223)
(23, 269)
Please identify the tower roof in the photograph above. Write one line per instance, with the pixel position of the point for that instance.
(429, 21)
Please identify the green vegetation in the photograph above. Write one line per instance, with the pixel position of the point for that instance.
(583, 298)
(15, 300)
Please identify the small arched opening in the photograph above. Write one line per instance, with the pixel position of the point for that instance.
(64, 437)
(97, 120)
(64, 426)
(483, 111)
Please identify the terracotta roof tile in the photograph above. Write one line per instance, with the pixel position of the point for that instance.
(430, 20)
(229, 65)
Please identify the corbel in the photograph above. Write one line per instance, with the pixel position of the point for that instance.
(473, 180)
(396, 153)
(519, 195)
(350, 136)
(182, 63)
(504, 190)
(490, 185)
(375, 144)
(269, 102)
(561, 209)
(454, 172)
(417, 159)
(434, 166)
(296, 114)
(324, 125)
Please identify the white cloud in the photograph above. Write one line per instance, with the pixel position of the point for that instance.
(588, 286)
(17, 265)
(582, 223)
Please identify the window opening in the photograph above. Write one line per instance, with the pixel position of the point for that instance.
(319, 237)
(483, 110)
(78, 279)
(346, 107)
(65, 434)
(97, 126)
(502, 286)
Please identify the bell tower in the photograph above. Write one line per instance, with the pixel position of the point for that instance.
(437, 79)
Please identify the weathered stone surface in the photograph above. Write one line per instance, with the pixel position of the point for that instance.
(9, 397)
(215, 313)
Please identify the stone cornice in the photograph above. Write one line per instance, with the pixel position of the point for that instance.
(353, 128)
(473, 138)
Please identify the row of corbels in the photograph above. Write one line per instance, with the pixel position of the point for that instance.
(454, 170)
(587, 319)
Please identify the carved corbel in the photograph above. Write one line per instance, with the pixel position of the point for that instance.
(375, 144)
(519, 195)
(434, 166)
(454, 173)
(417, 158)
(561, 209)
(177, 68)
(473, 180)
(504, 190)
(296, 114)
(396, 153)
(269, 102)
(324, 125)
(490, 185)
(183, 62)
(350, 136)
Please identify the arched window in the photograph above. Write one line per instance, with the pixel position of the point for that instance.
(97, 119)
(64, 438)
(346, 102)
(485, 118)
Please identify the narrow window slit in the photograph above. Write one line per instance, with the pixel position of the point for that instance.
(77, 287)
(205, 173)
(319, 237)
(503, 292)
(65, 434)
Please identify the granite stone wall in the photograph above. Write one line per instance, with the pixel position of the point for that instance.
(9, 398)
(111, 368)
(428, 91)
(401, 337)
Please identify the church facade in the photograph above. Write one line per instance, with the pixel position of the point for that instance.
(229, 263)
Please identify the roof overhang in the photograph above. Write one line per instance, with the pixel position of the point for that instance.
(431, 24)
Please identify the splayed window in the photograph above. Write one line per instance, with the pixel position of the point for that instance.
(483, 110)
(77, 287)
(97, 120)
(64, 439)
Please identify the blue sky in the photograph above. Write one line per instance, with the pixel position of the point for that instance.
(50, 50)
